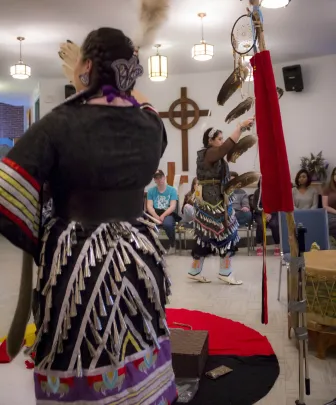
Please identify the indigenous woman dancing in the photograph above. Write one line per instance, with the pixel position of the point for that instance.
(216, 227)
(99, 306)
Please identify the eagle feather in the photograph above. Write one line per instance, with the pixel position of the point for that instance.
(153, 13)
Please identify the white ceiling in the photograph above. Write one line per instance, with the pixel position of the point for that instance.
(306, 28)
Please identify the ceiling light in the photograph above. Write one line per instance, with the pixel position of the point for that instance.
(157, 66)
(275, 3)
(202, 51)
(20, 70)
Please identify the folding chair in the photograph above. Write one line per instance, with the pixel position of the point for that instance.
(316, 223)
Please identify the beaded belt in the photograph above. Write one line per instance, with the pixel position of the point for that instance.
(206, 182)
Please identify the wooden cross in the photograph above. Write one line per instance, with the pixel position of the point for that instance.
(171, 175)
(184, 126)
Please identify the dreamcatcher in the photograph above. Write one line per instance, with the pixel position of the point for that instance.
(243, 41)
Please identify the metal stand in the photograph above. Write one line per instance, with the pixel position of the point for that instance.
(297, 268)
(333, 402)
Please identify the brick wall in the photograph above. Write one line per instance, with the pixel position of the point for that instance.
(11, 121)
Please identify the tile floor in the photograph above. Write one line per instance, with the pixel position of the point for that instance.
(241, 303)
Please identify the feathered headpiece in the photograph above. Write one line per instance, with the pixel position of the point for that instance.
(152, 14)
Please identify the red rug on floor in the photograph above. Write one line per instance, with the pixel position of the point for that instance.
(244, 350)
(225, 336)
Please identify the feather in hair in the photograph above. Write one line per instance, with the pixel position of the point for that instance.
(153, 14)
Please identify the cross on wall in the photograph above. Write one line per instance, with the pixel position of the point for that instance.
(184, 125)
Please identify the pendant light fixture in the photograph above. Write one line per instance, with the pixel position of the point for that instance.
(274, 3)
(203, 51)
(20, 70)
(158, 66)
(246, 62)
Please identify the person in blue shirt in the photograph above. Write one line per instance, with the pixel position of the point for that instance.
(161, 204)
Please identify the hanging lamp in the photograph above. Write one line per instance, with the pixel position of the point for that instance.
(274, 3)
(203, 51)
(158, 66)
(20, 70)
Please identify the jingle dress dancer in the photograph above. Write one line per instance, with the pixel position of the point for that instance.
(216, 227)
(99, 306)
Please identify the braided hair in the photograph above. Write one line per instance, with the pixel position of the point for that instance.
(104, 46)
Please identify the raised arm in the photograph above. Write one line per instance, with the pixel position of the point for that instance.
(214, 154)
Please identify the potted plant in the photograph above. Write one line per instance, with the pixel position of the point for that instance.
(316, 166)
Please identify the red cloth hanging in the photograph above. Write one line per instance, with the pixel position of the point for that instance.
(276, 181)
(276, 192)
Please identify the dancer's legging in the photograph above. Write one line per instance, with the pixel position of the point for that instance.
(198, 251)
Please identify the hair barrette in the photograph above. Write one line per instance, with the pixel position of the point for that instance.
(212, 133)
(127, 72)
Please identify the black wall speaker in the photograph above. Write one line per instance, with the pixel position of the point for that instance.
(293, 78)
(69, 90)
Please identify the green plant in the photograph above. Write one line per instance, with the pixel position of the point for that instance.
(316, 166)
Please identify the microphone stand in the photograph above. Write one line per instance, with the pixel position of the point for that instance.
(297, 269)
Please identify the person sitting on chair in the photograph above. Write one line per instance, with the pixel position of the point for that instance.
(188, 211)
(161, 204)
(305, 196)
(272, 223)
(241, 204)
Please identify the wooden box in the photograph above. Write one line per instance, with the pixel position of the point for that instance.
(189, 352)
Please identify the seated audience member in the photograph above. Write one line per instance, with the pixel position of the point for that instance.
(305, 196)
(188, 211)
(329, 203)
(241, 204)
(272, 224)
(161, 204)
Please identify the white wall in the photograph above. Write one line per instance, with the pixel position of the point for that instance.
(51, 94)
(307, 116)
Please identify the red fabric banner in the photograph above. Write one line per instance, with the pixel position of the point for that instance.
(276, 181)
